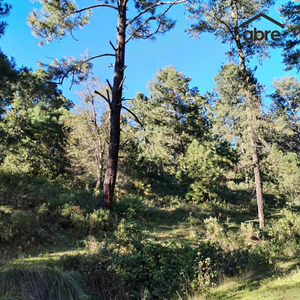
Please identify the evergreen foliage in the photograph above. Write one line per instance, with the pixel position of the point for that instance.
(290, 42)
(173, 115)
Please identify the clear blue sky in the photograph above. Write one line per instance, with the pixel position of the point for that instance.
(199, 59)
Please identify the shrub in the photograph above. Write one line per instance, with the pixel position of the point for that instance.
(85, 223)
(98, 220)
(283, 234)
(131, 207)
(213, 262)
(156, 268)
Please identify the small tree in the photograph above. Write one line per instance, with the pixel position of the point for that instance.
(203, 168)
(285, 109)
(285, 171)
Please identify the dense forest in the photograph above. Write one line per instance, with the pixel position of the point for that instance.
(168, 195)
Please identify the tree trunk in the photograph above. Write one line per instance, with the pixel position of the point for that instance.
(259, 191)
(115, 111)
(252, 133)
(99, 172)
(247, 179)
(161, 168)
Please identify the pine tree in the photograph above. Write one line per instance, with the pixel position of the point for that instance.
(290, 37)
(223, 19)
(33, 126)
(285, 108)
(59, 18)
(173, 115)
(4, 11)
(204, 169)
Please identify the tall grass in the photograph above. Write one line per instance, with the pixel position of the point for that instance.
(40, 283)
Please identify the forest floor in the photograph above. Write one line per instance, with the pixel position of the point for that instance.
(281, 282)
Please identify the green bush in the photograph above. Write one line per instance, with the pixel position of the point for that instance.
(98, 220)
(132, 207)
(214, 261)
(284, 234)
(84, 223)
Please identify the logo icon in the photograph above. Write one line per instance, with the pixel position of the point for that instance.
(259, 35)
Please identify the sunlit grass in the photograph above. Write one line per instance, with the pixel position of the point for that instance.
(265, 286)
(41, 259)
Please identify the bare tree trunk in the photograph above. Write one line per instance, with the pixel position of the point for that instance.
(115, 111)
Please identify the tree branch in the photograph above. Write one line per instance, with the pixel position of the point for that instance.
(123, 144)
(94, 6)
(113, 46)
(98, 93)
(136, 118)
(109, 84)
(151, 7)
(107, 93)
(120, 85)
(153, 18)
(97, 56)
(79, 63)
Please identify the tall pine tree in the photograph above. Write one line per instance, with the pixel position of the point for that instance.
(59, 18)
(223, 19)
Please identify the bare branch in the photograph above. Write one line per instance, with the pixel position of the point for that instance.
(120, 85)
(107, 93)
(94, 6)
(113, 46)
(123, 68)
(97, 56)
(98, 93)
(136, 118)
(109, 84)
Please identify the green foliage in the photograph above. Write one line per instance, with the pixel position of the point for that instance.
(284, 113)
(132, 208)
(283, 235)
(215, 262)
(285, 171)
(290, 43)
(4, 11)
(173, 115)
(155, 267)
(85, 223)
(204, 169)
(33, 127)
(223, 19)
(55, 20)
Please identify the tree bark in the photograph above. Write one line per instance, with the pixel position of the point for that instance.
(115, 111)
(259, 191)
(247, 179)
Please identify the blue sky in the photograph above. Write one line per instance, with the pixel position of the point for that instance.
(199, 59)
